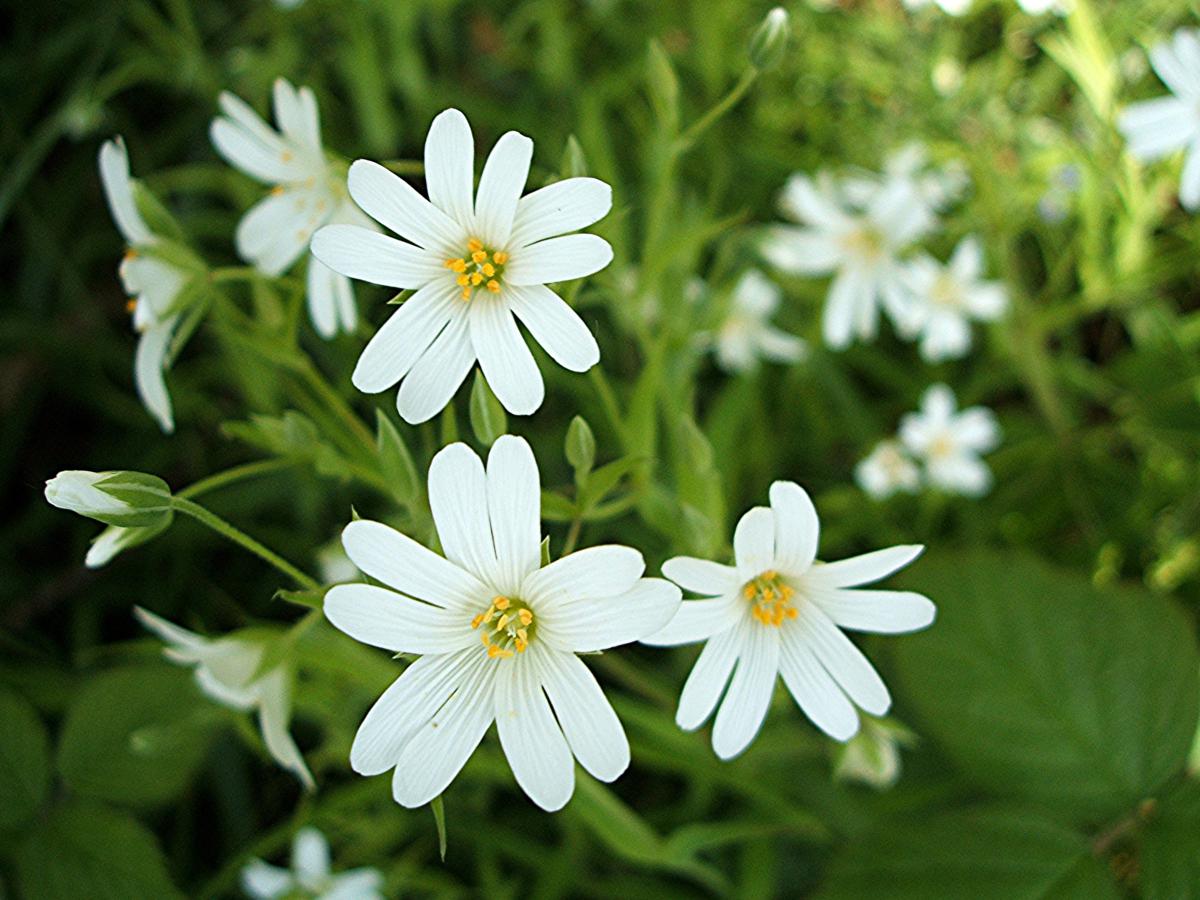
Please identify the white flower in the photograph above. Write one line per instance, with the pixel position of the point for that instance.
(310, 875)
(873, 755)
(950, 442)
(76, 491)
(154, 284)
(949, 297)
(227, 671)
(1038, 7)
(498, 634)
(951, 7)
(474, 262)
(859, 248)
(936, 187)
(1157, 128)
(309, 192)
(746, 335)
(779, 612)
(887, 471)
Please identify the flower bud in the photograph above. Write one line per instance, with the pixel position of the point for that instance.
(770, 40)
(126, 499)
(580, 446)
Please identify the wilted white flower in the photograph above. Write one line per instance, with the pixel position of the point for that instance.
(474, 261)
(950, 296)
(887, 471)
(309, 191)
(859, 248)
(310, 875)
(778, 611)
(950, 442)
(1157, 128)
(227, 670)
(873, 755)
(498, 633)
(154, 282)
(746, 335)
(937, 187)
(951, 7)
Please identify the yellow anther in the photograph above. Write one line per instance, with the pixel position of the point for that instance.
(474, 244)
(286, 155)
(466, 294)
(520, 645)
(131, 305)
(130, 254)
(503, 623)
(500, 603)
(523, 635)
(463, 280)
(476, 279)
(277, 190)
(478, 257)
(493, 286)
(500, 257)
(770, 597)
(488, 269)
(525, 616)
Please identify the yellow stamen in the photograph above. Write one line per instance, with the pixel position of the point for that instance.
(500, 603)
(525, 616)
(286, 155)
(503, 623)
(130, 254)
(131, 305)
(463, 280)
(493, 286)
(466, 294)
(500, 257)
(478, 257)
(488, 269)
(277, 190)
(476, 279)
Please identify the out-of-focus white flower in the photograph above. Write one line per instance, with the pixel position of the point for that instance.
(859, 248)
(499, 633)
(873, 755)
(1157, 128)
(1038, 7)
(950, 442)
(951, 7)
(746, 335)
(949, 297)
(475, 259)
(227, 670)
(887, 470)
(335, 566)
(936, 187)
(309, 191)
(155, 284)
(778, 611)
(310, 875)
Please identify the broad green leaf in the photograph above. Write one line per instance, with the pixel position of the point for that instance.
(1040, 686)
(24, 760)
(1170, 855)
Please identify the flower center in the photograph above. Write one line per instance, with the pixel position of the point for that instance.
(770, 597)
(865, 242)
(479, 266)
(941, 446)
(507, 626)
(945, 292)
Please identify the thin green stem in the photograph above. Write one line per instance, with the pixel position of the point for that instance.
(405, 166)
(233, 273)
(337, 405)
(724, 105)
(229, 476)
(239, 537)
(572, 536)
(608, 400)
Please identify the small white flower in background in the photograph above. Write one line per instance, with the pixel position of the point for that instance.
(951, 7)
(860, 249)
(949, 297)
(746, 335)
(778, 612)
(1157, 128)
(227, 670)
(154, 284)
(887, 470)
(873, 755)
(498, 631)
(474, 262)
(936, 187)
(310, 875)
(1038, 7)
(334, 565)
(949, 442)
(309, 191)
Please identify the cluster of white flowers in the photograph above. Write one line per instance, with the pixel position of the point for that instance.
(945, 441)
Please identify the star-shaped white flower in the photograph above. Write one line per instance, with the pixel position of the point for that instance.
(886, 471)
(778, 612)
(936, 187)
(310, 875)
(154, 284)
(308, 192)
(860, 248)
(746, 335)
(1157, 128)
(474, 262)
(948, 297)
(227, 670)
(498, 634)
(950, 442)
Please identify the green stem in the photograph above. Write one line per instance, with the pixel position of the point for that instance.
(229, 476)
(338, 406)
(233, 273)
(405, 166)
(223, 528)
(726, 103)
(608, 400)
(572, 536)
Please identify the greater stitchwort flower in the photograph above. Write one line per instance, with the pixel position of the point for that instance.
(498, 633)
(887, 470)
(949, 442)
(746, 334)
(310, 875)
(475, 262)
(778, 612)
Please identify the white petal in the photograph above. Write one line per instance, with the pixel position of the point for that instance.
(367, 255)
(966, 263)
(500, 188)
(697, 620)
(276, 230)
(400, 562)
(589, 574)
(882, 612)
(558, 259)
(797, 527)
(814, 690)
(1189, 186)
(322, 297)
(844, 661)
(383, 618)
(459, 501)
(118, 190)
(987, 300)
(296, 113)
(504, 357)
(263, 157)
(263, 881)
(850, 291)
(310, 854)
(708, 678)
(1170, 61)
(390, 200)
(802, 251)
(405, 337)
(781, 347)
(275, 705)
(538, 753)
(180, 638)
(148, 364)
(588, 722)
(977, 429)
(450, 166)
(554, 325)
(754, 542)
(1155, 128)
(803, 200)
(514, 508)
(964, 474)
(701, 576)
(584, 626)
(437, 374)
(560, 208)
(864, 569)
(745, 705)
(355, 884)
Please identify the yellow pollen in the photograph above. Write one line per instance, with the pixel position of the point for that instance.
(277, 190)
(488, 269)
(493, 286)
(474, 244)
(476, 279)
(466, 294)
(771, 597)
(512, 631)
(130, 254)
(131, 305)
(286, 155)
(478, 267)
(525, 616)
(463, 280)
(479, 257)
(500, 257)
(500, 603)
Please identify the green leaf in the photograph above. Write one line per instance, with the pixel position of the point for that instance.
(88, 850)
(24, 760)
(557, 508)
(980, 854)
(439, 817)
(606, 478)
(1170, 855)
(399, 470)
(147, 497)
(134, 735)
(574, 164)
(488, 420)
(1040, 686)
(664, 87)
